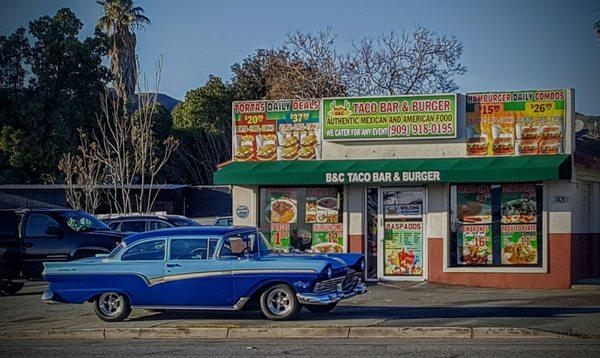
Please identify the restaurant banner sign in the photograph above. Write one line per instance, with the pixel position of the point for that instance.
(515, 123)
(276, 130)
(391, 117)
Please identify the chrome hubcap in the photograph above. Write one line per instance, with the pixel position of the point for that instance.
(279, 302)
(111, 304)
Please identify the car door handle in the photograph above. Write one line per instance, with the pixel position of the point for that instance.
(172, 265)
(28, 245)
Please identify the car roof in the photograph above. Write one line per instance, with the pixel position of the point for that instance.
(138, 217)
(190, 230)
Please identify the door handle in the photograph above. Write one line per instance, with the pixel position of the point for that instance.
(172, 265)
(29, 244)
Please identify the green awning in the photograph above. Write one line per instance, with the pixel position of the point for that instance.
(397, 171)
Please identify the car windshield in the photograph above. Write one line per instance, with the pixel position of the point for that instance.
(80, 221)
(116, 250)
(185, 222)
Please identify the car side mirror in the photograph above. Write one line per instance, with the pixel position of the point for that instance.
(55, 231)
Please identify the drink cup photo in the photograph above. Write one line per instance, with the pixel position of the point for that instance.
(495, 131)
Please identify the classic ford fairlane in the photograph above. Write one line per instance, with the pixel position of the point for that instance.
(205, 268)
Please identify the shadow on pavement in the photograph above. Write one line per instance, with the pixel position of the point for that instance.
(396, 313)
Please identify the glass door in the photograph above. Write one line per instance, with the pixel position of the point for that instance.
(400, 234)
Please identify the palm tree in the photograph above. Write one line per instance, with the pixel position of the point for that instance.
(119, 22)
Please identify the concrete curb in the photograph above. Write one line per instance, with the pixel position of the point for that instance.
(287, 333)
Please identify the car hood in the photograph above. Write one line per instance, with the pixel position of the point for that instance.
(340, 263)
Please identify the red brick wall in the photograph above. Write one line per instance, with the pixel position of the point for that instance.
(558, 275)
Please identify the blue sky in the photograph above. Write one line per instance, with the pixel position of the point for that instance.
(508, 44)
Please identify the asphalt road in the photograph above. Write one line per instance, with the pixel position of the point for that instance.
(295, 347)
(402, 304)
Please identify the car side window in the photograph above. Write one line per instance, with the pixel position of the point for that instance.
(134, 226)
(150, 250)
(114, 225)
(156, 225)
(189, 249)
(234, 246)
(221, 222)
(38, 224)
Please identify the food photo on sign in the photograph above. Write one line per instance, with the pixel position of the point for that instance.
(515, 123)
(277, 130)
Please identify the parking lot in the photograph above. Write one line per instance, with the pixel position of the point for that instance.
(571, 312)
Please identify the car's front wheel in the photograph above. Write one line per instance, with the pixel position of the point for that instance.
(321, 308)
(279, 303)
(112, 306)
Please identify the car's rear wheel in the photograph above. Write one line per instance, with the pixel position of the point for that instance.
(279, 303)
(321, 308)
(112, 306)
(9, 288)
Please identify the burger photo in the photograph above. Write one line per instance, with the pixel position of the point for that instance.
(269, 138)
(549, 147)
(289, 153)
(267, 152)
(530, 133)
(503, 146)
(477, 146)
(307, 152)
(309, 140)
(528, 147)
(244, 152)
(552, 132)
(291, 141)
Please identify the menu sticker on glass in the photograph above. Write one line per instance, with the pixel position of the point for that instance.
(280, 235)
(328, 238)
(277, 130)
(519, 244)
(390, 117)
(322, 205)
(474, 245)
(474, 204)
(518, 204)
(515, 123)
(283, 208)
(403, 248)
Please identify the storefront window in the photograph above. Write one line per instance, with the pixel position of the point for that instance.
(496, 225)
(305, 219)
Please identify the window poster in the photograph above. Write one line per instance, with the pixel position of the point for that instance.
(403, 246)
(519, 244)
(474, 245)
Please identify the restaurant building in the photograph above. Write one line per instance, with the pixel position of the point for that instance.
(482, 189)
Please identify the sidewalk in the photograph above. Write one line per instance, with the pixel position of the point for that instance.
(399, 310)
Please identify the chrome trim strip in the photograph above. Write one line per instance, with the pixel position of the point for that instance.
(238, 306)
(327, 298)
(191, 275)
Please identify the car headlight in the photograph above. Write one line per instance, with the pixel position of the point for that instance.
(329, 272)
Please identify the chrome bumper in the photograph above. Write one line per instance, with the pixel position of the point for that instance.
(331, 297)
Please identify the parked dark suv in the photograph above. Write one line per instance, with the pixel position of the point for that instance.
(140, 223)
(30, 237)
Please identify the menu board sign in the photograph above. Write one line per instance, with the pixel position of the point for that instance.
(276, 130)
(519, 244)
(474, 245)
(474, 204)
(518, 204)
(403, 247)
(280, 235)
(283, 208)
(515, 123)
(392, 117)
(328, 238)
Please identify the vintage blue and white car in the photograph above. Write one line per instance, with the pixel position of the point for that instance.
(205, 268)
